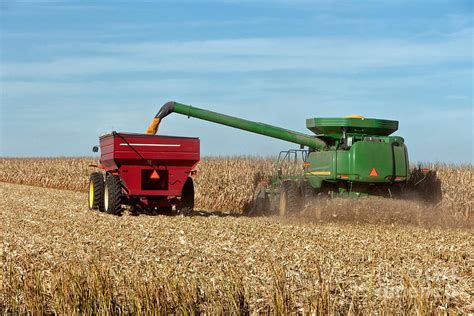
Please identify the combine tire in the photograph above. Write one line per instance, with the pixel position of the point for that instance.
(113, 196)
(186, 205)
(96, 191)
(289, 198)
(307, 193)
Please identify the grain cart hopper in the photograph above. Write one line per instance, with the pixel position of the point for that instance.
(346, 157)
(145, 172)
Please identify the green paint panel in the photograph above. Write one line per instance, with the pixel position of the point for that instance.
(365, 161)
(333, 126)
(368, 158)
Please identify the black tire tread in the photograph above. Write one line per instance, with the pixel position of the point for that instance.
(114, 186)
(186, 205)
(293, 197)
(97, 180)
(308, 196)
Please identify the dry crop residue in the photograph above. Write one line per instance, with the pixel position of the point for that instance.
(59, 257)
(228, 183)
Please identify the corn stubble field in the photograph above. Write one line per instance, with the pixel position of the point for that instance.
(412, 256)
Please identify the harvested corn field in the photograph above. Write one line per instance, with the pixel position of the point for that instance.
(360, 257)
(228, 183)
(59, 257)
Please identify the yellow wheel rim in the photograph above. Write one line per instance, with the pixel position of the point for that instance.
(91, 195)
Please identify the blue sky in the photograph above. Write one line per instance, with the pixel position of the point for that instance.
(71, 71)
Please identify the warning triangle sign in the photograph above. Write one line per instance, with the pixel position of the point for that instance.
(155, 175)
(374, 173)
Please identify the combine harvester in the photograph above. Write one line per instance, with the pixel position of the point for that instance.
(346, 157)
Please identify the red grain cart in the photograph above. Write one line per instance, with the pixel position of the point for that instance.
(146, 172)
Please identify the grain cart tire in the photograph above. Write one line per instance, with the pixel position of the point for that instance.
(96, 191)
(308, 197)
(186, 205)
(113, 195)
(290, 198)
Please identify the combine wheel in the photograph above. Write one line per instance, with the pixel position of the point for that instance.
(186, 205)
(307, 192)
(113, 195)
(96, 191)
(273, 203)
(289, 198)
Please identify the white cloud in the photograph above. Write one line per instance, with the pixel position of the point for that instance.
(336, 55)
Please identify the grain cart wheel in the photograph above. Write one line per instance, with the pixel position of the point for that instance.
(289, 198)
(307, 193)
(96, 191)
(186, 205)
(113, 195)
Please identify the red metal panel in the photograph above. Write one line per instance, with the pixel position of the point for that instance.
(177, 176)
(107, 152)
(129, 154)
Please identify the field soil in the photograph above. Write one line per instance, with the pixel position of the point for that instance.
(57, 256)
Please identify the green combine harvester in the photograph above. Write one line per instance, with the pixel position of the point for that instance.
(352, 157)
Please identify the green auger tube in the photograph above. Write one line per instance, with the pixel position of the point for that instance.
(250, 126)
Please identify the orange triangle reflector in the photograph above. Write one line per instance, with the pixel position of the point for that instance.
(155, 175)
(374, 173)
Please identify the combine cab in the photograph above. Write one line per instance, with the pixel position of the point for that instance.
(145, 172)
